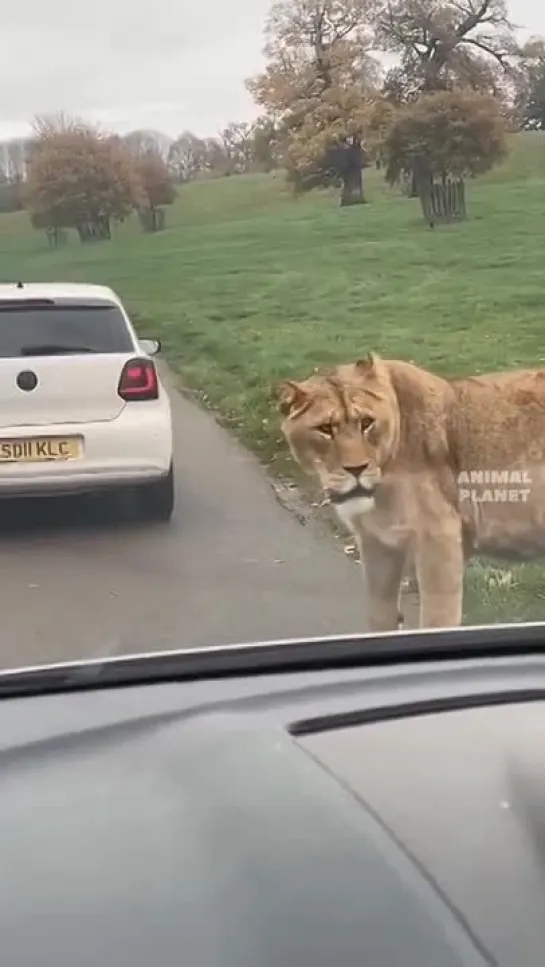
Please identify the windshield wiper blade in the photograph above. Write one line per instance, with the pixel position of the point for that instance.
(54, 349)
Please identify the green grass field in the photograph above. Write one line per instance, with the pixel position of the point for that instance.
(247, 287)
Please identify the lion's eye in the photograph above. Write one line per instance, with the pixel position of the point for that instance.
(326, 428)
(366, 422)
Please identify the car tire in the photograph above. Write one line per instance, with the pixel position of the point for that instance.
(156, 500)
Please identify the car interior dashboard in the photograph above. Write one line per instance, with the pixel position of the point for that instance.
(347, 802)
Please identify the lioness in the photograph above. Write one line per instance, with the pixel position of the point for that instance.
(425, 472)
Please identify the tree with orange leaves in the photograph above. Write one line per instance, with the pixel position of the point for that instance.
(155, 179)
(319, 86)
(445, 134)
(80, 178)
(157, 188)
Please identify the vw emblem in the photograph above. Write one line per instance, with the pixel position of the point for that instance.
(27, 380)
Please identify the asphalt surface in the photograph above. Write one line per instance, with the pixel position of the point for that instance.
(233, 566)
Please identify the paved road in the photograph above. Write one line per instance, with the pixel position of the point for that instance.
(234, 566)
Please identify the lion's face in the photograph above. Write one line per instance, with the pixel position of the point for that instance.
(342, 428)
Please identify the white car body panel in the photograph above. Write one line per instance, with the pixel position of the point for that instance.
(66, 383)
(76, 396)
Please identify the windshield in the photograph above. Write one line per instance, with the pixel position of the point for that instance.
(272, 356)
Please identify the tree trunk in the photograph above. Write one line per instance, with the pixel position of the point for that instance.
(352, 188)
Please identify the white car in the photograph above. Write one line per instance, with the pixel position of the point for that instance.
(82, 407)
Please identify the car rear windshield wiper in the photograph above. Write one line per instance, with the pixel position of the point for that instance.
(54, 349)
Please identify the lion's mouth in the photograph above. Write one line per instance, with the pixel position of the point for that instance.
(358, 491)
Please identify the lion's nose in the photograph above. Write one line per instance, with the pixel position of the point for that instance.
(356, 471)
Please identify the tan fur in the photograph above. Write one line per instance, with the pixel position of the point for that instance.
(422, 504)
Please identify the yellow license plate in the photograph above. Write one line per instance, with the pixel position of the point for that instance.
(40, 449)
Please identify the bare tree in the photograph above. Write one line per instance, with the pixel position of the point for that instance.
(237, 141)
(186, 157)
(142, 142)
(471, 42)
(15, 159)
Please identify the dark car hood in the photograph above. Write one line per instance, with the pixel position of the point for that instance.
(185, 824)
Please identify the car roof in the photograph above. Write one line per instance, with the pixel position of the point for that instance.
(57, 290)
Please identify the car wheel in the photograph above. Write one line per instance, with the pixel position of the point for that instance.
(156, 500)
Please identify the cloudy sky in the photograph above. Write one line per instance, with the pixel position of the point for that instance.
(170, 65)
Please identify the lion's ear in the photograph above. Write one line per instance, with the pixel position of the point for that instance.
(367, 365)
(291, 396)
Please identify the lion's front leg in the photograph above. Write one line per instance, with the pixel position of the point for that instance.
(382, 570)
(440, 570)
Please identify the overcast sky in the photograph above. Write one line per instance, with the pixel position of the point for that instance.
(169, 65)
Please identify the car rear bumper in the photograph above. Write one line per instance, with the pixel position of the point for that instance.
(134, 448)
(78, 483)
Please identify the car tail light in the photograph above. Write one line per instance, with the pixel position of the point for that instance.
(138, 380)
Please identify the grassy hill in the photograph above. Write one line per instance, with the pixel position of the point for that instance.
(247, 287)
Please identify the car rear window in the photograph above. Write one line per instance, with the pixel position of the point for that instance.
(56, 329)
